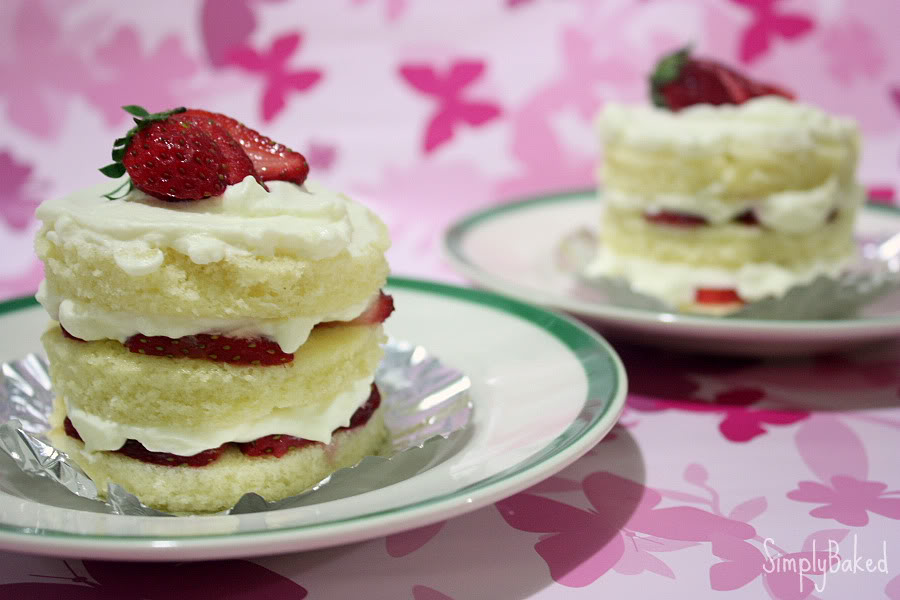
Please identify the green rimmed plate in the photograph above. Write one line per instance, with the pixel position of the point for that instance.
(512, 249)
(545, 389)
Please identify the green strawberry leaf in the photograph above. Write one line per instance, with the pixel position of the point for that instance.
(667, 70)
(115, 170)
(138, 111)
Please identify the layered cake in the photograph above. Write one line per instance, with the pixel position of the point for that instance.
(725, 192)
(217, 319)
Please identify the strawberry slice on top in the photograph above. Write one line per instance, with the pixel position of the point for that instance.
(183, 154)
(273, 161)
(681, 80)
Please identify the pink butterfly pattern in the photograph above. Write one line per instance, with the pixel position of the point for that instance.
(742, 563)
(17, 198)
(272, 65)
(157, 77)
(40, 71)
(741, 423)
(321, 156)
(393, 9)
(423, 592)
(767, 25)
(844, 491)
(407, 542)
(624, 531)
(448, 89)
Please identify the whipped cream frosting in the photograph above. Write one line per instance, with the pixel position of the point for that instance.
(793, 211)
(676, 284)
(315, 422)
(306, 221)
(767, 122)
(88, 322)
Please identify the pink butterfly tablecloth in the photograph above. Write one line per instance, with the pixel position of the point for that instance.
(723, 474)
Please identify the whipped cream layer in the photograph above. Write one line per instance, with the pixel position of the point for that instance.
(793, 211)
(314, 422)
(304, 221)
(87, 322)
(677, 284)
(760, 124)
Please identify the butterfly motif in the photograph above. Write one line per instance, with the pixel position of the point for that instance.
(448, 89)
(17, 202)
(225, 25)
(742, 563)
(623, 531)
(423, 592)
(320, 156)
(393, 9)
(41, 69)
(768, 24)
(407, 542)
(741, 423)
(157, 76)
(272, 64)
(238, 579)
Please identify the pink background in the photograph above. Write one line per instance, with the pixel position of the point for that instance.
(427, 111)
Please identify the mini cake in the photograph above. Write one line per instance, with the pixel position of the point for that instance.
(726, 192)
(218, 318)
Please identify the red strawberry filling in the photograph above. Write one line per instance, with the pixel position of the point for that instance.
(217, 348)
(239, 351)
(717, 296)
(676, 219)
(270, 445)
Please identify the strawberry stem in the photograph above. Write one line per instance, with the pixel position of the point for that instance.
(667, 70)
(142, 118)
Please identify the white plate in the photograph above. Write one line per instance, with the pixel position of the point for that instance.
(545, 390)
(512, 249)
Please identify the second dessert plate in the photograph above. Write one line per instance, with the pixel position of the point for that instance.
(545, 390)
(513, 249)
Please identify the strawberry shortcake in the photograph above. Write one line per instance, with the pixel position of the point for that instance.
(726, 192)
(217, 318)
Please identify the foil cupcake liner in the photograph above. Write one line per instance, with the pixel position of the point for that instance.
(873, 274)
(426, 405)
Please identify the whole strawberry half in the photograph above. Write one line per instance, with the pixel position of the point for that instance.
(680, 80)
(183, 154)
(272, 161)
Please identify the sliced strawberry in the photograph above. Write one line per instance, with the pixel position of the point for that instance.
(365, 412)
(675, 219)
(273, 161)
(237, 164)
(172, 162)
(377, 312)
(273, 445)
(136, 450)
(681, 80)
(748, 217)
(70, 430)
(69, 335)
(278, 445)
(217, 348)
(270, 445)
(717, 296)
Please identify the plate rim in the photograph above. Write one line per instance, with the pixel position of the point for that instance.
(452, 249)
(572, 334)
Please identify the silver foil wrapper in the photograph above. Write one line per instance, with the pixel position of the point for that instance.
(874, 273)
(426, 406)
